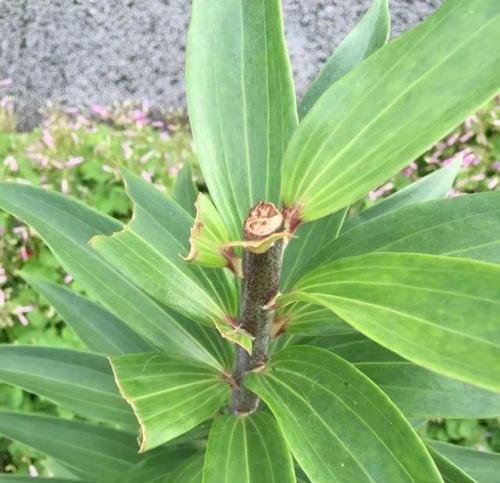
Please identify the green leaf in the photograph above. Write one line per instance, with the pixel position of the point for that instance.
(308, 319)
(466, 226)
(80, 381)
(169, 396)
(480, 465)
(417, 391)
(431, 187)
(157, 465)
(449, 472)
(29, 479)
(91, 452)
(247, 449)
(190, 471)
(338, 424)
(99, 329)
(419, 306)
(306, 242)
(185, 191)
(208, 235)
(67, 225)
(371, 33)
(147, 252)
(383, 114)
(241, 102)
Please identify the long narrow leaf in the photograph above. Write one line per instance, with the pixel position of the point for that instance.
(67, 225)
(99, 329)
(80, 381)
(431, 187)
(247, 449)
(241, 102)
(191, 471)
(308, 240)
(339, 425)
(169, 396)
(91, 452)
(185, 191)
(149, 251)
(383, 114)
(466, 226)
(450, 472)
(417, 391)
(371, 33)
(420, 306)
(480, 465)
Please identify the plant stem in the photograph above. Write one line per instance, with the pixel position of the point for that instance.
(260, 286)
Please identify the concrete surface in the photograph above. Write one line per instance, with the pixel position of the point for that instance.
(81, 52)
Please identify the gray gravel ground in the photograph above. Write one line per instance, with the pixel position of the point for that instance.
(81, 52)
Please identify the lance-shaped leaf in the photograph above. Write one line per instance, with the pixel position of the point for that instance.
(148, 250)
(431, 187)
(185, 191)
(302, 318)
(99, 329)
(241, 102)
(247, 449)
(80, 381)
(91, 452)
(361, 131)
(191, 471)
(339, 425)
(157, 466)
(480, 465)
(419, 306)
(307, 241)
(169, 396)
(29, 479)
(466, 227)
(371, 33)
(67, 225)
(417, 391)
(208, 236)
(450, 472)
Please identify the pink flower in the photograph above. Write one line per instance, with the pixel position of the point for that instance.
(6, 82)
(33, 471)
(64, 186)
(72, 162)
(22, 232)
(147, 176)
(471, 160)
(127, 150)
(453, 193)
(496, 165)
(3, 277)
(48, 139)
(145, 106)
(452, 139)
(3, 298)
(466, 137)
(20, 312)
(100, 111)
(144, 159)
(11, 163)
(24, 253)
(68, 279)
(173, 170)
(492, 183)
(410, 169)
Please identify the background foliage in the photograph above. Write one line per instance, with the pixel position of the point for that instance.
(79, 153)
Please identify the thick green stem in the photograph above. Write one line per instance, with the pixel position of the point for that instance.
(260, 286)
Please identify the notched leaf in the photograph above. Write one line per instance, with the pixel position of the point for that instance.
(209, 237)
(230, 331)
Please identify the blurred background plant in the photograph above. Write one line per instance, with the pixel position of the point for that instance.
(79, 153)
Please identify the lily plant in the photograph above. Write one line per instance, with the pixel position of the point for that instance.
(265, 330)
